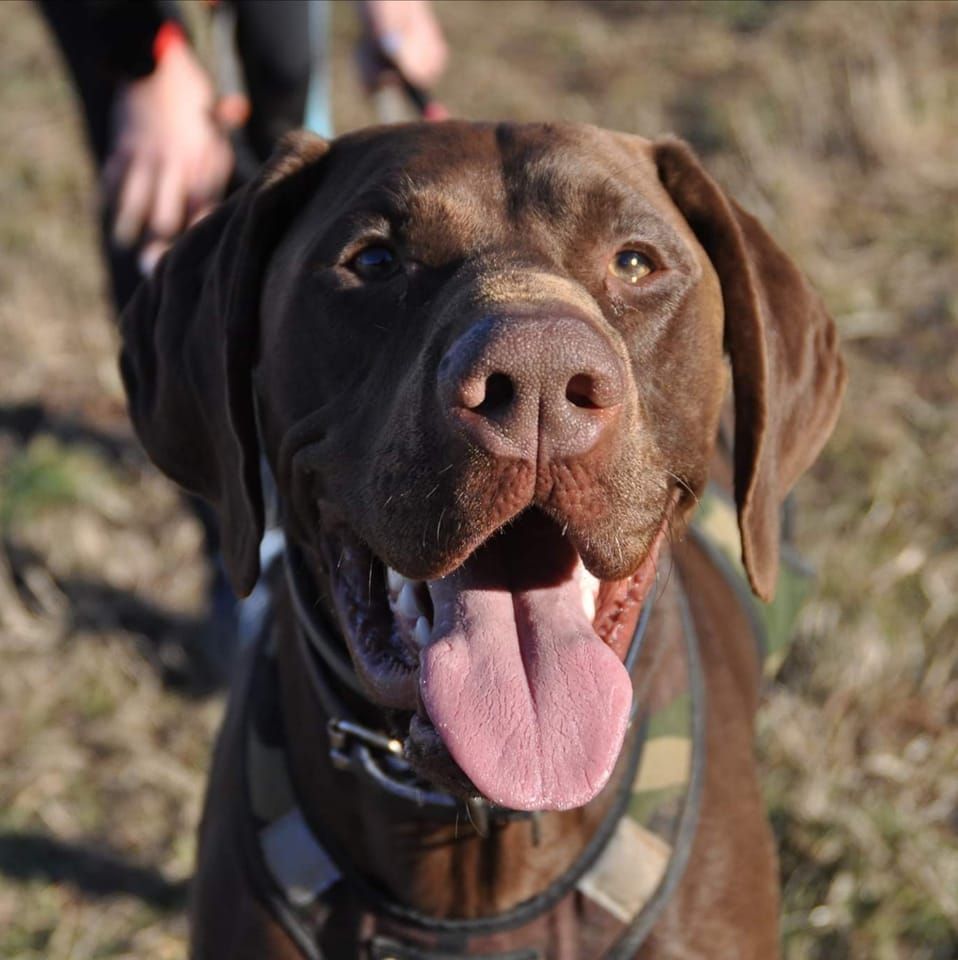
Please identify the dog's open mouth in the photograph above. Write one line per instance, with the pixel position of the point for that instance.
(514, 660)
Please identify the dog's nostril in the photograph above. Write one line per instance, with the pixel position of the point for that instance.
(499, 393)
(581, 391)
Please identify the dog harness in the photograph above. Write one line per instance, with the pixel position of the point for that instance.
(613, 892)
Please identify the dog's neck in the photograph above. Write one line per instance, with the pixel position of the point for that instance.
(436, 865)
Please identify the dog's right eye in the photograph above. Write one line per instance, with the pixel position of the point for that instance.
(631, 266)
(375, 263)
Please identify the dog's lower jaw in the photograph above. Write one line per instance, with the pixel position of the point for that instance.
(416, 647)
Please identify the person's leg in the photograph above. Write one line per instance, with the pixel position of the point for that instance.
(281, 54)
(275, 47)
(73, 31)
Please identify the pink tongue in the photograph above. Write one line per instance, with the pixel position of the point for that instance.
(531, 704)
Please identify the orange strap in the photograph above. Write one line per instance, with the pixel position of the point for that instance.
(170, 35)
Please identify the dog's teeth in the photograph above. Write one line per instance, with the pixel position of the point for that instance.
(589, 588)
(408, 605)
(588, 602)
(423, 633)
(395, 580)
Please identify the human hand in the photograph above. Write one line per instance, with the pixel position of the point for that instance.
(170, 161)
(404, 35)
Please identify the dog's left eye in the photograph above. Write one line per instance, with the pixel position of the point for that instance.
(630, 266)
(375, 263)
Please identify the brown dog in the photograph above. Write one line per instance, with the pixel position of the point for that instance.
(486, 365)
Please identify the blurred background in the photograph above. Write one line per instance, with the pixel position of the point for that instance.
(837, 124)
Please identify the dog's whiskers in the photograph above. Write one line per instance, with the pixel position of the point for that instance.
(661, 584)
(682, 484)
(478, 814)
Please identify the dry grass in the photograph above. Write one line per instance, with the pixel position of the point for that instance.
(838, 124)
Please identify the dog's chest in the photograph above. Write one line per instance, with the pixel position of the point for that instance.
(602, 906)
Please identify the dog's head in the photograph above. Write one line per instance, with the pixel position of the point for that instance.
(486, 365)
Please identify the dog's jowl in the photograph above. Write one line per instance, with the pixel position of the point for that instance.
(506, 378)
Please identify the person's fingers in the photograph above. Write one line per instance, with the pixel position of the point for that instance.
(409, 36)
(198, 213)
(207, 186)
(149, 255)
(419, 51)
(111, 176)
(168, 212)
(231, 111)
(133, 201)
(209, 180)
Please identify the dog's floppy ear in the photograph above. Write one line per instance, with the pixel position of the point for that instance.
(787, 374)
(190, 341)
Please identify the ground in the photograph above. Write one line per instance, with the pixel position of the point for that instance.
(837, 124)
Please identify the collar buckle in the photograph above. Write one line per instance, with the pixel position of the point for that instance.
(379, 758)
(345, 735)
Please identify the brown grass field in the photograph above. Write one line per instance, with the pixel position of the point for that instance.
(835, 122)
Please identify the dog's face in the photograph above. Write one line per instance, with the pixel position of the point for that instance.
(486, 363)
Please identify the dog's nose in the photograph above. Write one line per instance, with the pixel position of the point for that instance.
(532, 387)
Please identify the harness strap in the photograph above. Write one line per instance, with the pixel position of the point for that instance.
(386, 948)
(642, 924)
